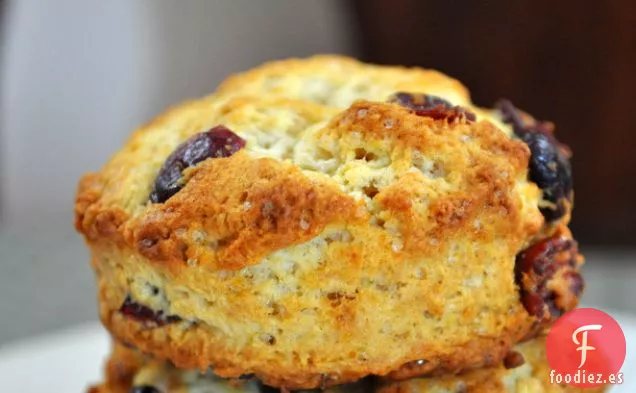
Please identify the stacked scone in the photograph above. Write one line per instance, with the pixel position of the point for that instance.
(327, 224)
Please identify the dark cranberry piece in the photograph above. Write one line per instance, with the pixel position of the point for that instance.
(144, 389)
(548, 278)
(431, 106)
(132, 309)
(513, 360)
(215, 143)
(551, 171)
(549, 165)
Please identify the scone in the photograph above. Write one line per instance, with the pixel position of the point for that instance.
(525, 370)
(129, 371)
(317, 221)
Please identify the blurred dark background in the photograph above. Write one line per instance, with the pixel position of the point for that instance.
(570, 62)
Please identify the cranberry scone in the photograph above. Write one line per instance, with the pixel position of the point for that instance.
(129, 371)
(523, 370)
(317, 221)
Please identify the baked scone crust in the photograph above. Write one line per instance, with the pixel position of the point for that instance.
(120, 369)
(531, 374)
(127, 368)
(347, 238)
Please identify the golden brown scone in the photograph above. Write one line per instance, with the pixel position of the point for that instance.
(338, 81)
(128, 371)
(120, 370)
(314, 245)
(526, 370)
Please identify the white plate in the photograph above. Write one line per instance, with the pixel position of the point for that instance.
(68, 361)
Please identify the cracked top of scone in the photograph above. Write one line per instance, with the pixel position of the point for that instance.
(315, 221)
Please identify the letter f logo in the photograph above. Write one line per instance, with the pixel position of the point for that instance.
(583, 344)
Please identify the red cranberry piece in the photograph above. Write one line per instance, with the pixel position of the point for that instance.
(137, 311)
(549, 165)
(215, 143)
(513, 360)
(548, 278)
(431, 106)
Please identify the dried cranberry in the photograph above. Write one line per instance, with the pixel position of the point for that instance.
(215, 143)
(548, 278)
(549, 165)
(144, 389)
(431, 106)
(132, 309)
(513, 360)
